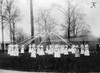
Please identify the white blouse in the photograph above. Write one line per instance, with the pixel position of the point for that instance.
(22, 49)
(30, 48)
(73, 49)
(41, 52)
(77, 53)
(87, 53)
(33, 53)
(66, 51)
(82, 49)
(57, 54)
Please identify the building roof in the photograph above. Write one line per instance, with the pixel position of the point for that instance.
(84, 39)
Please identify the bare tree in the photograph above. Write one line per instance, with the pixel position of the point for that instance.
(75, 21)
(15, 19)
(79, 25)
(12, 16)
(20, 35)
(2, 20)
(46, 22)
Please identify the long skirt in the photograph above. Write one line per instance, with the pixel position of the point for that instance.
(87, 53)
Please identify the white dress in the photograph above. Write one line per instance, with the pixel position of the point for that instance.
(70, 50)
(38, 50)
(12, 50)
(57, 54)
(16, 50)
(46, 50)
(82, 49)
(50, 51)
(77, 53)
(66, 51)
(22, 49)
(73, 49)
(87, 50)
(41, 52)
(62, 50)
(9, 49)
(33, 53)
(30, 48)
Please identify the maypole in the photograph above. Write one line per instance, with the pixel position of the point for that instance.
(32, 19)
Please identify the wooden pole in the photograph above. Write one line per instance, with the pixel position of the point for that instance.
(32, 19)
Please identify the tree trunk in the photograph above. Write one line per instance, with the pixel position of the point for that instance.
(2, 26)
(13, 32)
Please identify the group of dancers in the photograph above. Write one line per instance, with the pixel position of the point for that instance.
(55, 50)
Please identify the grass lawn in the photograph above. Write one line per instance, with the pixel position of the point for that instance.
(49, 64)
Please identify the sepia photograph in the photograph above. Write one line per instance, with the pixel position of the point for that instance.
(49, 36)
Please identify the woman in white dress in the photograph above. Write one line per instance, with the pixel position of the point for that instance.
(33, 51)
(38, 49)
(73, 49)
(12, 50)
(82, 49)
(57, 57)
(87, 53)
(41, 57)
(66, 50)
(9, 49)
(50, 50)
(22, 49)
(41, 52)
(69, 50)
(77, 53)
(57, 52)
(62, 49)
(16, 50)
(30, 48)
(47, 49)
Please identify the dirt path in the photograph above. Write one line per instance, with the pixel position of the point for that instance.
(10, 71)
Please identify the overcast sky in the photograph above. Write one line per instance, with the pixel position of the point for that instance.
(93, 14)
